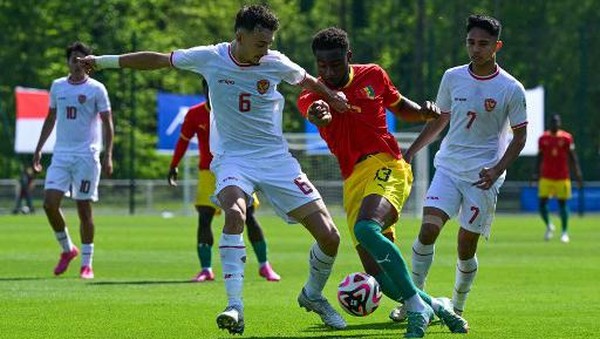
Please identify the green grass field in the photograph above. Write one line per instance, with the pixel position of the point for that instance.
(526, 288)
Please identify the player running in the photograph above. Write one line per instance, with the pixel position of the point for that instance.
(250, 152)
(482, 103)
(76, 104)
(196, 123)
(377, 180)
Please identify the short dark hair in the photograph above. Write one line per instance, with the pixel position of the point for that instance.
(249, 17)
(330, 38)
(78, 46)
(487, 23)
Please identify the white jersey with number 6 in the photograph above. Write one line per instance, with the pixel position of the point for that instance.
(482, 111)
(246, 113)
(78, 106)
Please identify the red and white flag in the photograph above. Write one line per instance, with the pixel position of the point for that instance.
(32, 108)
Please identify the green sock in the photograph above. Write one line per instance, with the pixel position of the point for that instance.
(260, 248)
(204, 254)
(564, 216)
(387, 255)
(544, 214)
(391, 291)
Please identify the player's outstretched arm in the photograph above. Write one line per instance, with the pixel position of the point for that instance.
(431, 130)
(47, 128)
(137, 60)
(336, 101)
(410, 111)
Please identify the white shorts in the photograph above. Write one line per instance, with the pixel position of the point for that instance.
(475, 207)
(77, 174)
(280, 179)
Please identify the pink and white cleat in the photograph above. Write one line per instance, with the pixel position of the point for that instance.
(204, 275)
(65, 259)
(86, 272)
(267, 272)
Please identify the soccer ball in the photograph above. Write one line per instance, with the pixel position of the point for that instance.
(359, 294)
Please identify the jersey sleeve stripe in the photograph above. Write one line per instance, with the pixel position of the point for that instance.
(171, 59)
(397, 101)
(521, 125)
(303, 79)
(446, 112)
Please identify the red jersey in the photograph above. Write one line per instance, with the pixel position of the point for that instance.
(197, 123)
(555, 149)
(355, 134)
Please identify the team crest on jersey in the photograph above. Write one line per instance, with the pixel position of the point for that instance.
(262, 86)
(490, 104)
(369, 92)
(81, 98)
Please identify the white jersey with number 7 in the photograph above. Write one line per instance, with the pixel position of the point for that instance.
(482, 111)
(246, 114)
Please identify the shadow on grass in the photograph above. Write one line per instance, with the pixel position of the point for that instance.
(140, 282)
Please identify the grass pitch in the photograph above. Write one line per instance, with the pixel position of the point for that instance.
(526, 287)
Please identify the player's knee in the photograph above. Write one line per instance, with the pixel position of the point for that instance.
(235, 216)
(430, 228)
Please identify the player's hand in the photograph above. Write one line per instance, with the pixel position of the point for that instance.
(488, 177)
(88, 63)
(430, 111)
(36, 163)
(172, 178)
(319, 114)
(107, 165)
(339, 103)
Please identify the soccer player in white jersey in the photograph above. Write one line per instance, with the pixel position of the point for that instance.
(77, 104)
(482, 102)
(250, 152)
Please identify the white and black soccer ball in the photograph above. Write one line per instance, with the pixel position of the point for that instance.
(359, 294)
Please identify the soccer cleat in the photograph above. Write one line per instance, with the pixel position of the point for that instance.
(267, 272)
(324, 309)
(232, 319)
(204, 275)
(418, 322)
(549, 232)
(565, 238)
(86, 272)
(398, 314)
(65, 259)
(450, 318)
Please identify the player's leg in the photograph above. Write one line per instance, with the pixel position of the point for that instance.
(87, 230)
(545, 189)
(233, 201)
(563, 195)
(204, 243)
(441, 202)
(57, 182)
(259, 244)
(475, 219)
(317, 220)
(86, 176)
(204, 237)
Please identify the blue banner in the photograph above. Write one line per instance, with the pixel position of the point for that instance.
(171, 110)
(590, 201)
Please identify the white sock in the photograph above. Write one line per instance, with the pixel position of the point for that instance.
(466, 270)
(415, 304)
(233, 259)
(422, 259)
(64, 240)
(87, 254)
(320, 269)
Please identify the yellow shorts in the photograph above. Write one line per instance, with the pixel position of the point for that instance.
(561, 189)
(206, 188)
(379, 174)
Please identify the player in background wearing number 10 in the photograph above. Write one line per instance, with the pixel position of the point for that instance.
(481, 102)
(197, 123)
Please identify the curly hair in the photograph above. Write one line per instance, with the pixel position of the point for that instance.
(249, 17)
(78, 46)
(487, 23)
(330, 38)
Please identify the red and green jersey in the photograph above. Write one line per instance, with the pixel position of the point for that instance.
(197, 123)
(355, 134)
(555, 149)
